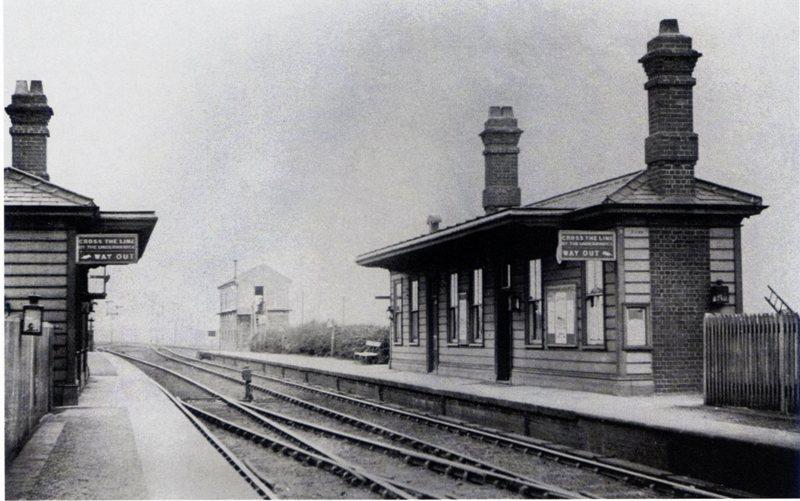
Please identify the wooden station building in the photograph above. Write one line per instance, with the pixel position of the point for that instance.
(53, 238)
(488, 299)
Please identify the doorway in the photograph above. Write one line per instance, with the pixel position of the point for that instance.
(432, 324)
(503, 333)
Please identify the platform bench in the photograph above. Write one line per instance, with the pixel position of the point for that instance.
(370, 352)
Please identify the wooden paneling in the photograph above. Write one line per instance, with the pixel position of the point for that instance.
(35, 269)
(636, 256)
(36, 264)
(36, 236)
(35, 258)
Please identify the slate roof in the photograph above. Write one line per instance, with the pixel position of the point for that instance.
(634, 188)
(629, 189)
(24, 189)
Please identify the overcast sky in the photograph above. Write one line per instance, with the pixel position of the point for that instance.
(301, 134)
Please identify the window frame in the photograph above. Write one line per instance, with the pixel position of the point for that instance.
(397, 312)
(555, 287)
(452, 309)
(588, 298)
(476, 321)
(532, 302)
(648, 326)
(413, 312)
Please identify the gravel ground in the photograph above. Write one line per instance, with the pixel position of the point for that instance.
(374, 461)
(521, 463)
(524, 464)
(290, 478)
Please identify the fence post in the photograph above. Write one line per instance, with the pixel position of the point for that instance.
(782, 362)
(705, 358)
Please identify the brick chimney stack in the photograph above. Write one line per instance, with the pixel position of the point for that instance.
(30, 115)
(671, 147)
(500, 137)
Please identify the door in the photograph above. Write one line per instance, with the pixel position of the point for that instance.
(503, 334)
(432, 315)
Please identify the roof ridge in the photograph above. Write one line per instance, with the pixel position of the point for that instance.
(642, 173)
(593, 185)
(732, 191)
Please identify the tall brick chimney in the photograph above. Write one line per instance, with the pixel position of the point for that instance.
(30, 115)
(500, 137)
(671, 147)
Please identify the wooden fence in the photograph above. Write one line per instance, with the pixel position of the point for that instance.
(752, 361)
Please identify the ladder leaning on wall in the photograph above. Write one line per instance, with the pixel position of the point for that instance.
(777, 302)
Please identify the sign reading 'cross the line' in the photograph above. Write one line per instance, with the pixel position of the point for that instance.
(107, 248)
(580, 245)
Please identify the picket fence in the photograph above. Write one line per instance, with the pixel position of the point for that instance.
(752, 361)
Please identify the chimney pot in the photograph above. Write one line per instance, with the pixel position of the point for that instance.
(671, 149)
(668, 26)
(29, 115)
(22, 88)
(433, 223)
(36, 87)
(495, 111)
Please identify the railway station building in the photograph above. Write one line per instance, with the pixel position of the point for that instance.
(254, 302)
(518, 294)
(56, 243)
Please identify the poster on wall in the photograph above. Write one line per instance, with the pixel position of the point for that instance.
(635, 326)
(560, 304)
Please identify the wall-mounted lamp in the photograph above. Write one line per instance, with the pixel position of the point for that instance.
(719, 294)
(390, 312)
(514, 303)
(96, 284)
(32, 315)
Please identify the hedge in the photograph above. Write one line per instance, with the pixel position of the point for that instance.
(314, 339)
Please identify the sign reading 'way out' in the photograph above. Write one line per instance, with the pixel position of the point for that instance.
(579, 245)
(108, 248)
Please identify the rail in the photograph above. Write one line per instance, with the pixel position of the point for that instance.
(664, 483)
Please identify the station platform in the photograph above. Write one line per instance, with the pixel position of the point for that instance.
(124, 440)
(673, 432)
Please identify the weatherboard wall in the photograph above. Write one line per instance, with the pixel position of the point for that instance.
(597, 368)
(37, 263)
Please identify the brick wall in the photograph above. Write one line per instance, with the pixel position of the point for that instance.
(29, 153)
(679, 262)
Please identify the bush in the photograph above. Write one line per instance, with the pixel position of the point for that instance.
(314, 339)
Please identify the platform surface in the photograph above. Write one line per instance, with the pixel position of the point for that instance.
(124, 440)
(681, 412)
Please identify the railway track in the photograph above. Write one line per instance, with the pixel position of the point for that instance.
(666, 485)
(303, 450)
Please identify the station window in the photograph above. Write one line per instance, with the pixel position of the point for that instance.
(452, 309)
(595, 303)
(413, 332)
(505, 279)
(397, 308)
(533, 319)
(560, 315)
(476, 316)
